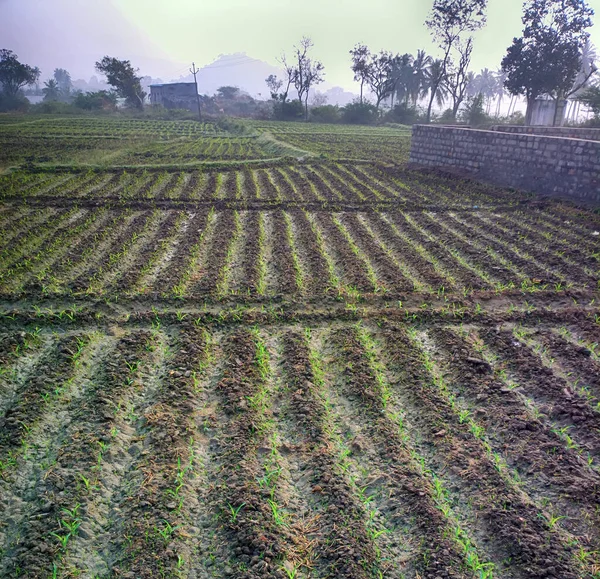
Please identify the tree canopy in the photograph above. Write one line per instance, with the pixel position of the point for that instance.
(124, 79)
(547, 58)
(13, 74)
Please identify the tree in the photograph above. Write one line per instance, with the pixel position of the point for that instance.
(360, 65)
(402, 73)
(420, 68)
(307, 73)
(228, 93)
(274, 84)
(458, 74)
(591, 98)
(381, 78)
(358, 113)
(63, 79)
(546, 59)
(13, 74)
(51, 90)
(123, 78)
(448, 22)
(434, 85)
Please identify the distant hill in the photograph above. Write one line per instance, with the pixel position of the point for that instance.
(249, 75)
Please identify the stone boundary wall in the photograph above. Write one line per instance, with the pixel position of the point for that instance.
(545, 165)
(566, 132)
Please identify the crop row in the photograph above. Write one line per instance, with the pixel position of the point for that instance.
(360, 450)
(99, 250)
(197, 149)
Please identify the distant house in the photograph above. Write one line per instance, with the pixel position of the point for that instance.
(177, 95)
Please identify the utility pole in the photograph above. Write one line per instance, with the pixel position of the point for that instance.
(195, 71)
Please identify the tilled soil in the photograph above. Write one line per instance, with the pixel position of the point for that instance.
(318, 370)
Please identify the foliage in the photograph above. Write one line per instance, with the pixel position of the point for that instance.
(404, 114)
(288, 110)
(51, 90)
(360, 65)
(123, 78)
(378, 71)
(473, 113)
(9, 102)
(274, 84)
(95, 101)
(227, 92)
(591, 98)
(325, 114)
(547, 57)
(13, 74)
(357, 113)
(446, 118)
(53, 107)
(63, 79)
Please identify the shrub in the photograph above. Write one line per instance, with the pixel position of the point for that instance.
(96, 101)
(473, 113)
(52, 108)
(447, 118)
(13, 103)
(325, 114)
(288, 111)
(403, 114)
(360, 114)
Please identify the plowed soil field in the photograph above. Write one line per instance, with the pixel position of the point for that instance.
(323, 367)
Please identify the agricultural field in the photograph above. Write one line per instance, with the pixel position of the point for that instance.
(283, 365)
(385, 144)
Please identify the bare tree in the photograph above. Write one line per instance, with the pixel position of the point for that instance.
(307, 72)
(448, 22)
(458, 74)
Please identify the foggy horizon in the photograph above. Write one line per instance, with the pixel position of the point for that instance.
(164, 40)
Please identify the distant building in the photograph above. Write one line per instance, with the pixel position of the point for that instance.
(177, 95)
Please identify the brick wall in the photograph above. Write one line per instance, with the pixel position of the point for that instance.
(568, 132)
(546, 165)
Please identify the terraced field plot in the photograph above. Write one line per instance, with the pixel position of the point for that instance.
(109, 142)
(384, 144)
(311, 369)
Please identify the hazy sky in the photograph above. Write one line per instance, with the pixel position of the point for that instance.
(163, 36)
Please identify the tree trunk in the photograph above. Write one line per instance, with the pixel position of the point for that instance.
(529, 113)
(362, 82)
(510, 104)
(430, 106)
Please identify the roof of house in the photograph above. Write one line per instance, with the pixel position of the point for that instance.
(174, 84)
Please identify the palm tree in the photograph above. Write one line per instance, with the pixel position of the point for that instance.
(51, 90)
(585, 77)
(433, 73)
(420, 68)
(500, 77)
(486, 85)
(402, 73)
